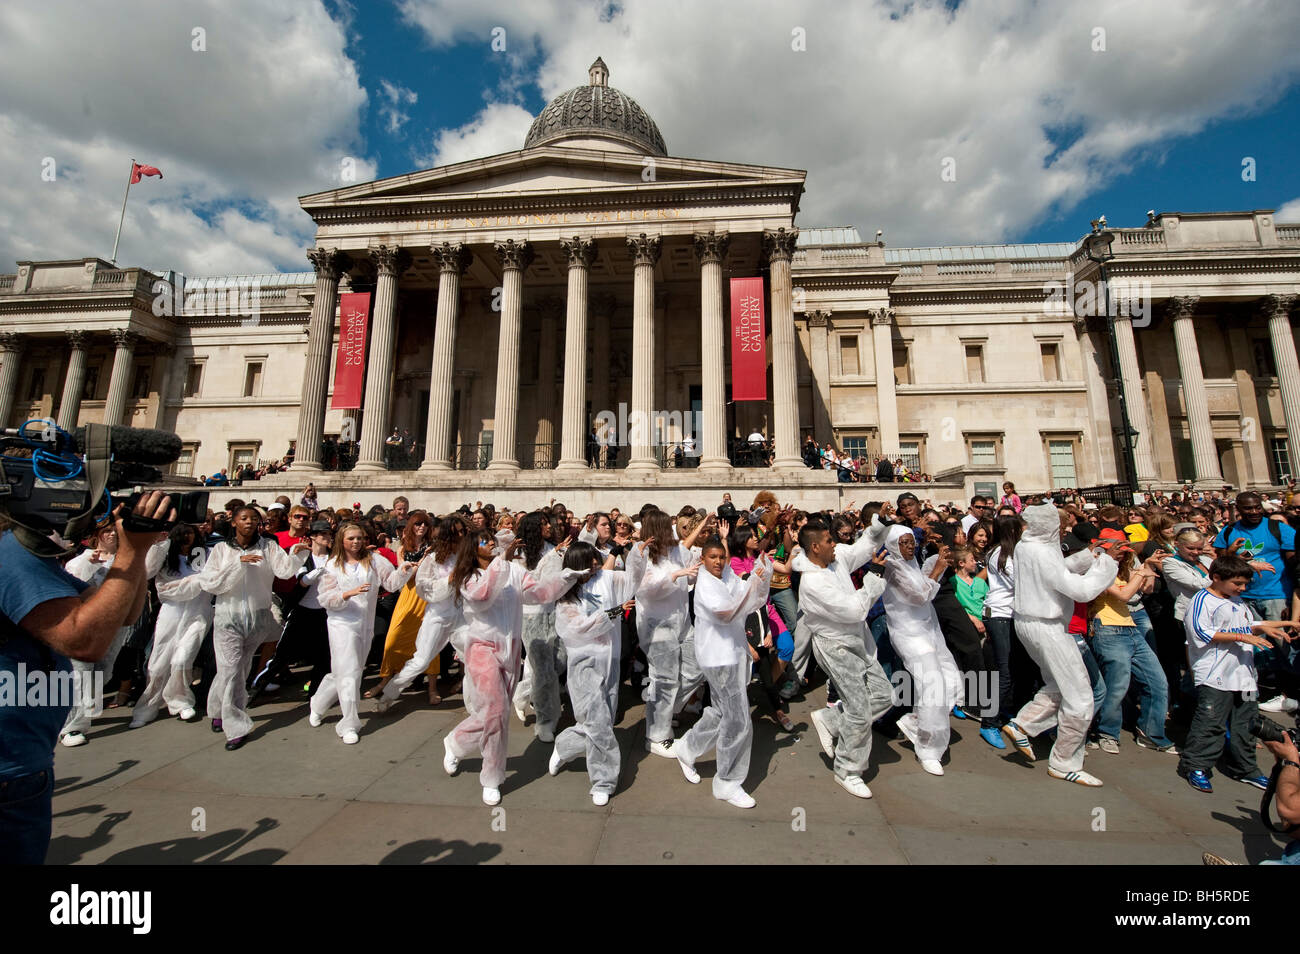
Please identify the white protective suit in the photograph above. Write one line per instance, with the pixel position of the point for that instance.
(592, 640)
(540, 684)
(88, 700)
(835, 615)
(1047, 587)
(662, 621)
(351, 627)
(722, 652)
(489, 644)
(183, 621)
(442, 616)
(242, 622)
(917, 639)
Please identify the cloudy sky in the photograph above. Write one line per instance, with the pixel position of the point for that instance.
(1045, 114)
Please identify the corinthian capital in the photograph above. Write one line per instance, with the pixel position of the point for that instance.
(711, 246)
(1273, 305)
(512, 254)
(125, 338)
(643, 248)
(452, 258)
(1181, 307)
(581, 252)
(779, 245)
(390, 259)
(78, 340)
(818, 317)
(11, 341)
(328, 262)
(882, 316)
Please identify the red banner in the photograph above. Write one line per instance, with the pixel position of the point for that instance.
(748, 340)
(350, 367)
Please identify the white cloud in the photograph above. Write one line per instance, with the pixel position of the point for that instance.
(884, 92)
(269, 111)
(498, 127)
(1288, 212)
(397, 97)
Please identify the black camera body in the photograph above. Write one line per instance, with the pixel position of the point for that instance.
(47, 485)
(1269, 731)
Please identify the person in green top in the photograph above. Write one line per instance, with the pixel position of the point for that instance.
(970, 588)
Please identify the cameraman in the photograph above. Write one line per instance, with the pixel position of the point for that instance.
(44, 619)
(1287, 795)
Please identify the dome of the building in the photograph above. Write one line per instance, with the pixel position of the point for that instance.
(597, 111)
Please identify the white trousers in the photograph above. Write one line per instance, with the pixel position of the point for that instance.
(171, 663)
(349, 645)
(1065, 701)
(89, 699)
(935, 688)
(432, 639)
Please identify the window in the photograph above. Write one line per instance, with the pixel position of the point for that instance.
(140, 388)
(1265, 367)
(1060, 456)
(241, 453)
(849, 354)
(91, 385)
(1051, 361)
(858, 445)
(909, 449)
(253, 379)
(184, 466)
(1280, 457)
(36, 389)
(975, 363)
(983, 453)
(193, 380)
(902, 366)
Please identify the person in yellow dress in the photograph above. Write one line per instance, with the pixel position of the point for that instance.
(399, 645)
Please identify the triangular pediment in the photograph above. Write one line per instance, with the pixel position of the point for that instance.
(553, 170)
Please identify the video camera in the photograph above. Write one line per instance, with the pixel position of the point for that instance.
(1269, 731)
(60, 482)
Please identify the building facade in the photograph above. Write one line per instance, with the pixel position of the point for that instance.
(521, 298)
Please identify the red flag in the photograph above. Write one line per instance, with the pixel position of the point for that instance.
(350, 367)
(748, 341)
(138, 170)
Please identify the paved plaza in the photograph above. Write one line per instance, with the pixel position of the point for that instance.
(171, 793)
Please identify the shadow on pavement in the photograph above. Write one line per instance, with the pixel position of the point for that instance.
(435, 851)
(71, 783)
(216, 848)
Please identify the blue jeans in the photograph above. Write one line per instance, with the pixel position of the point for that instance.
(1123, 653)
(25, 818)
(999, 631)
(1094, 675)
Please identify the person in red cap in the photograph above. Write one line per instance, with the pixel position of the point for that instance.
(1122, 651)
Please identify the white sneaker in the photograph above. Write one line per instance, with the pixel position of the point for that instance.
(187, 715)
(741, 800)
(73, 739)
(521, 711)
(382, 705)
(491, 796)
(599, 799)
(1108, 745)
(351, 738)
(314, 720)
(687, 765)
(664, 749)
(1079, 778)
(825, 736)
(450, 762)
(1279, 703)
(272, 687)
(854, 785)
(546, 733)
(556, 763)
(932, 766)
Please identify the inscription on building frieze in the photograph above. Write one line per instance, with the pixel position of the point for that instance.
(545, 218)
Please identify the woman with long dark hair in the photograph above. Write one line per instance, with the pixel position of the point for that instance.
(587, 617)
(540, 684)
(408, 613)
(441, 611)
(183, 620)
(492, 591)
(999, 622)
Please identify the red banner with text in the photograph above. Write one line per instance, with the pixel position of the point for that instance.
(748, 340)
(350, 367)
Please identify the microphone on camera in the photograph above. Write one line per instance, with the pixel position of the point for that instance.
(139, 445)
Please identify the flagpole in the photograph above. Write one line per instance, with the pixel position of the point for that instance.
(118, 237)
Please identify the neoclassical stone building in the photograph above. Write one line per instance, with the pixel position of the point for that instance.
(517, 297)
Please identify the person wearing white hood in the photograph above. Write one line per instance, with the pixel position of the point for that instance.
(1047, 587)
(915, 635)
(722, 601)
(589, 620)
(836, 617)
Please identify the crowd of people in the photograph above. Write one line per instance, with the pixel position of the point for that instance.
(1078, 623)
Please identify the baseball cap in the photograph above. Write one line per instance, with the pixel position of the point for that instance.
(906, 495)
(1110, 538)
(321, 526)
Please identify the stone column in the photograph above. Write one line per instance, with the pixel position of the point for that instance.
(545, 452)
(573, 427)
(390, 262)
(779, 246)
(328, 263)
(1205, 457)
(1131, 381)
(11, 358)
(1278, 310)
(74, 381)
(882, 344)
(711, 250)
(119, 384)
(645, 253)
(515, 257)
(452, 262)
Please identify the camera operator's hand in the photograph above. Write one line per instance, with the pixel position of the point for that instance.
(155, 505)
(1283, 750)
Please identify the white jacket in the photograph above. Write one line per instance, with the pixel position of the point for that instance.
(721, 606)
(1047, 587)
(829, 603)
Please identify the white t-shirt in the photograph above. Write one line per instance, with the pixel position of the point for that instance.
(1226, 666)
(1000, 602)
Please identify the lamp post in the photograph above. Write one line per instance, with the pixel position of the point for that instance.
(1097, 246)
